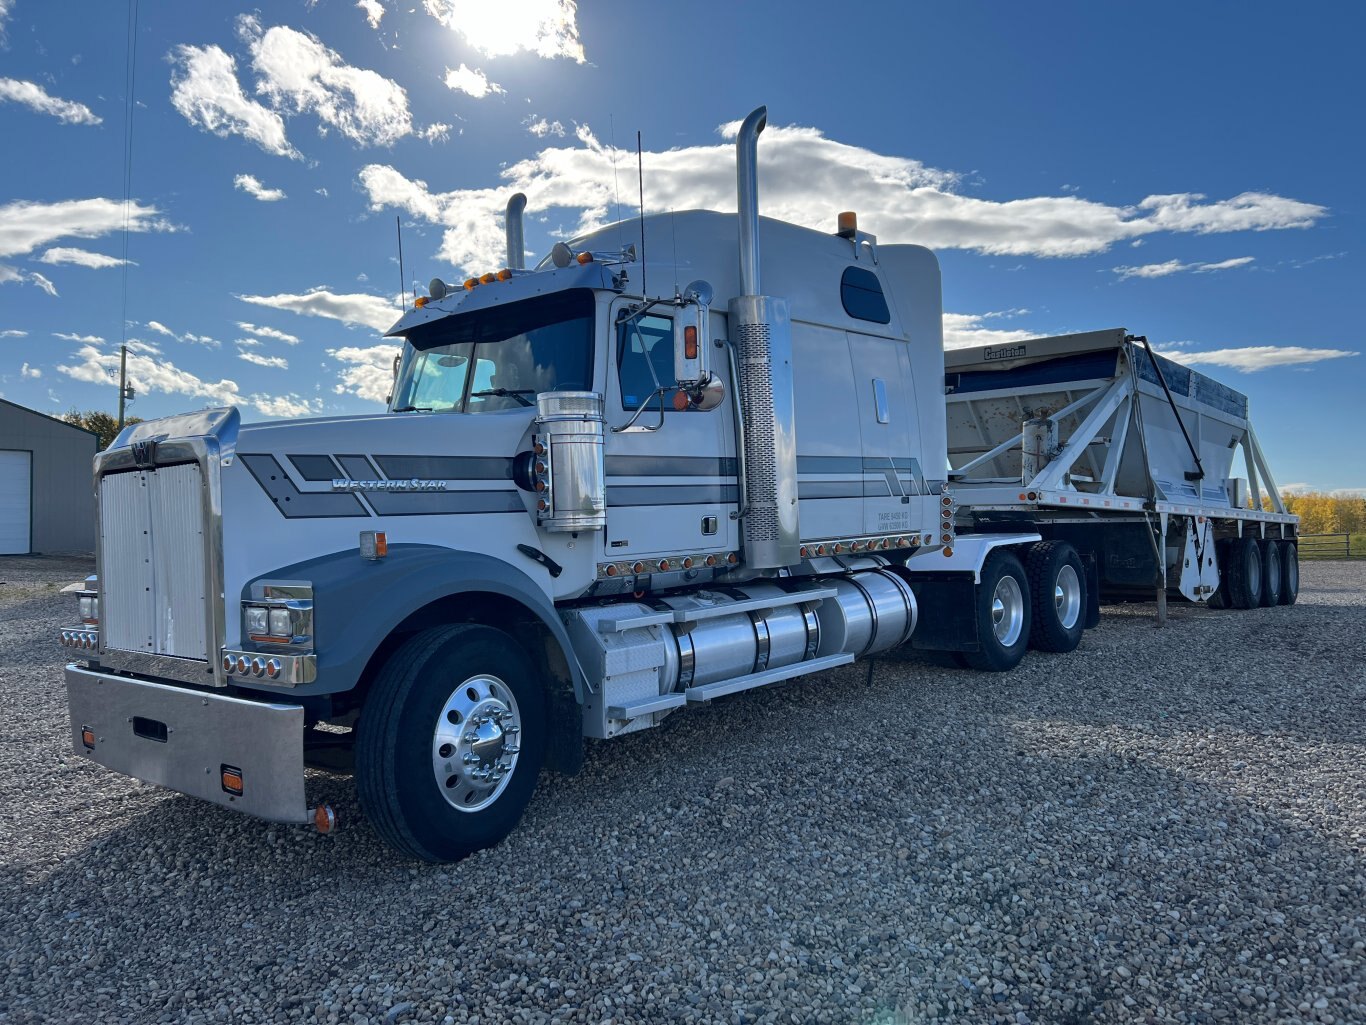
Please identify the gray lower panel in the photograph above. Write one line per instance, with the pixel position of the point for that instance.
(181, 739)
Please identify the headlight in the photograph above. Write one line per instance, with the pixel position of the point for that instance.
(258, 620)
(280, 625)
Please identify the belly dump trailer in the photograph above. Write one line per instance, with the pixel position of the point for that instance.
(593, 502)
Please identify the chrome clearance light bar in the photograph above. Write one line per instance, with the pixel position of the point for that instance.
(282, 670)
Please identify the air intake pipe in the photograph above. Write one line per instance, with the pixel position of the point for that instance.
(761, 331)
(516, 241)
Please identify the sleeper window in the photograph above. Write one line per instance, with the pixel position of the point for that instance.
(861, 293)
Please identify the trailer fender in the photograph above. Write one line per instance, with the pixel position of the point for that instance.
(359, 602)
(969, 554)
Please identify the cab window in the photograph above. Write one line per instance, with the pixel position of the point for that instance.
(645, 360)
(861, 293)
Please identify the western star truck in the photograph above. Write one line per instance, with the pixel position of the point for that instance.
(593, 503)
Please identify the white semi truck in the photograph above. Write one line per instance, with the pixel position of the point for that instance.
(593, 503)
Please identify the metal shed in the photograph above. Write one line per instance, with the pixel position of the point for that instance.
(46, 499)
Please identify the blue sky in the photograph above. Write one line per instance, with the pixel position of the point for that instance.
(1190, 172)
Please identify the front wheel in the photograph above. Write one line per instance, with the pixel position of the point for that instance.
(1003, 615)
(450, 742)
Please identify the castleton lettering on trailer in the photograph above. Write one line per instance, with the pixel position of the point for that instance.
(1005, 352)
(412, 484)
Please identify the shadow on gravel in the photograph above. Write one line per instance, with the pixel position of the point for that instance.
(888, 852)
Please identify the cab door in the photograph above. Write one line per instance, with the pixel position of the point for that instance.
(671, 485)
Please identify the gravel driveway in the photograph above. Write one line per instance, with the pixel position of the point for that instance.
(1163, 826)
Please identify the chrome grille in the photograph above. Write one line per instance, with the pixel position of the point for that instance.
(152, 550)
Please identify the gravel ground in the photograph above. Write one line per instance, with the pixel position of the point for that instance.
(1163, 826)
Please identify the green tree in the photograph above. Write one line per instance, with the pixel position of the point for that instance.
(100, 423)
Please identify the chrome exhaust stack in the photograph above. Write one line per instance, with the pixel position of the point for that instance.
(516, 241)
(761, 331)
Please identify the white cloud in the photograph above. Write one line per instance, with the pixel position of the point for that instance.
(964, 330)
(36, 97)
(354, 309)
(80, 257)
(9, 275)
(248, 343)
(278, 362)
(285, 407)
(136, 345)
(252, 185)
(268, 332)
(28, 371)
(1162, 270)
(1251, 358)
(84, 339)
(24, 225)
(13, 332)
(435, 132)
(206, 92)
(374, 11)
(148, 375)
(370, 370)
(543, 27)
(807, 179)
(540, 127)
(188, 336)
(471, 81)
(297, 72)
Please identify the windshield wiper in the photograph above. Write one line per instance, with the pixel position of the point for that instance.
(413, 409)
(503, 393)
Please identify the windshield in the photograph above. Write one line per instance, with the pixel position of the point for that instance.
(499, 358)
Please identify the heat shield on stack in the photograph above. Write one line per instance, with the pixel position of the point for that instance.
(762, 331)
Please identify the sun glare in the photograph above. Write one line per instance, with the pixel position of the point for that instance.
(543, 27)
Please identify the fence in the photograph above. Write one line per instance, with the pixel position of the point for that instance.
(1332, 546)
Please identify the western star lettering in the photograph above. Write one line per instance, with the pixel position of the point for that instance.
(412, 484)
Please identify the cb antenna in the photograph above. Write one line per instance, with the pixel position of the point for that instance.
(402, 278)
(640, 172)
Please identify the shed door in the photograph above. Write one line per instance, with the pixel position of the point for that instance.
(15, 502)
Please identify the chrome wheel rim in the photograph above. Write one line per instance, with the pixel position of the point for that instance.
(1007, 610)
(476, 743)
(1067, 597)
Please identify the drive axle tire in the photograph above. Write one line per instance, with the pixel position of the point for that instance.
(1057, 584)
(1272, 573)
(1003, 615)
(1290, 572)
(450, 742)
(1244, 573)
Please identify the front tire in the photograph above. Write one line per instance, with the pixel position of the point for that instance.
(450, 742)
(1057, 583)
(1003, 615)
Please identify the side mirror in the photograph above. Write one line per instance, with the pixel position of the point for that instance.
(692, 360)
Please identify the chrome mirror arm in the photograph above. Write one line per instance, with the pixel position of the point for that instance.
(629, 424)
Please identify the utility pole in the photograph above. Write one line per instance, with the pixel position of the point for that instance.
(123, 380)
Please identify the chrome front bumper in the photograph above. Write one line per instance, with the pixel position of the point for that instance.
(185, 739)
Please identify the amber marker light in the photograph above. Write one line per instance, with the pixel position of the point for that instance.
(504, 275)
(231, 777)
(584, 258)
(690, 342)
(421, 301)
(88, 738)
(471, 283)
(847, 224)
(324, 819)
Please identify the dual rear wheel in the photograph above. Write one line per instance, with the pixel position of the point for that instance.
(1039, 603)
(1257, 573)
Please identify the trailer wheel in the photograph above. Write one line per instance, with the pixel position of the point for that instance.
(450, 742)
(1271, 573)
(1057, 584)
(1003, 615)
(1290, 572)
(1244, 573)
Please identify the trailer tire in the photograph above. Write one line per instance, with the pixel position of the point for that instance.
(1244, 573)
(1290, 572)
(1003, 615)
(1219, 599)
(1272, 574)
(466, 681)
(1057, 585)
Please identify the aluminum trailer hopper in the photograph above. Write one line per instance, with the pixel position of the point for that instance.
(1094, 439)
